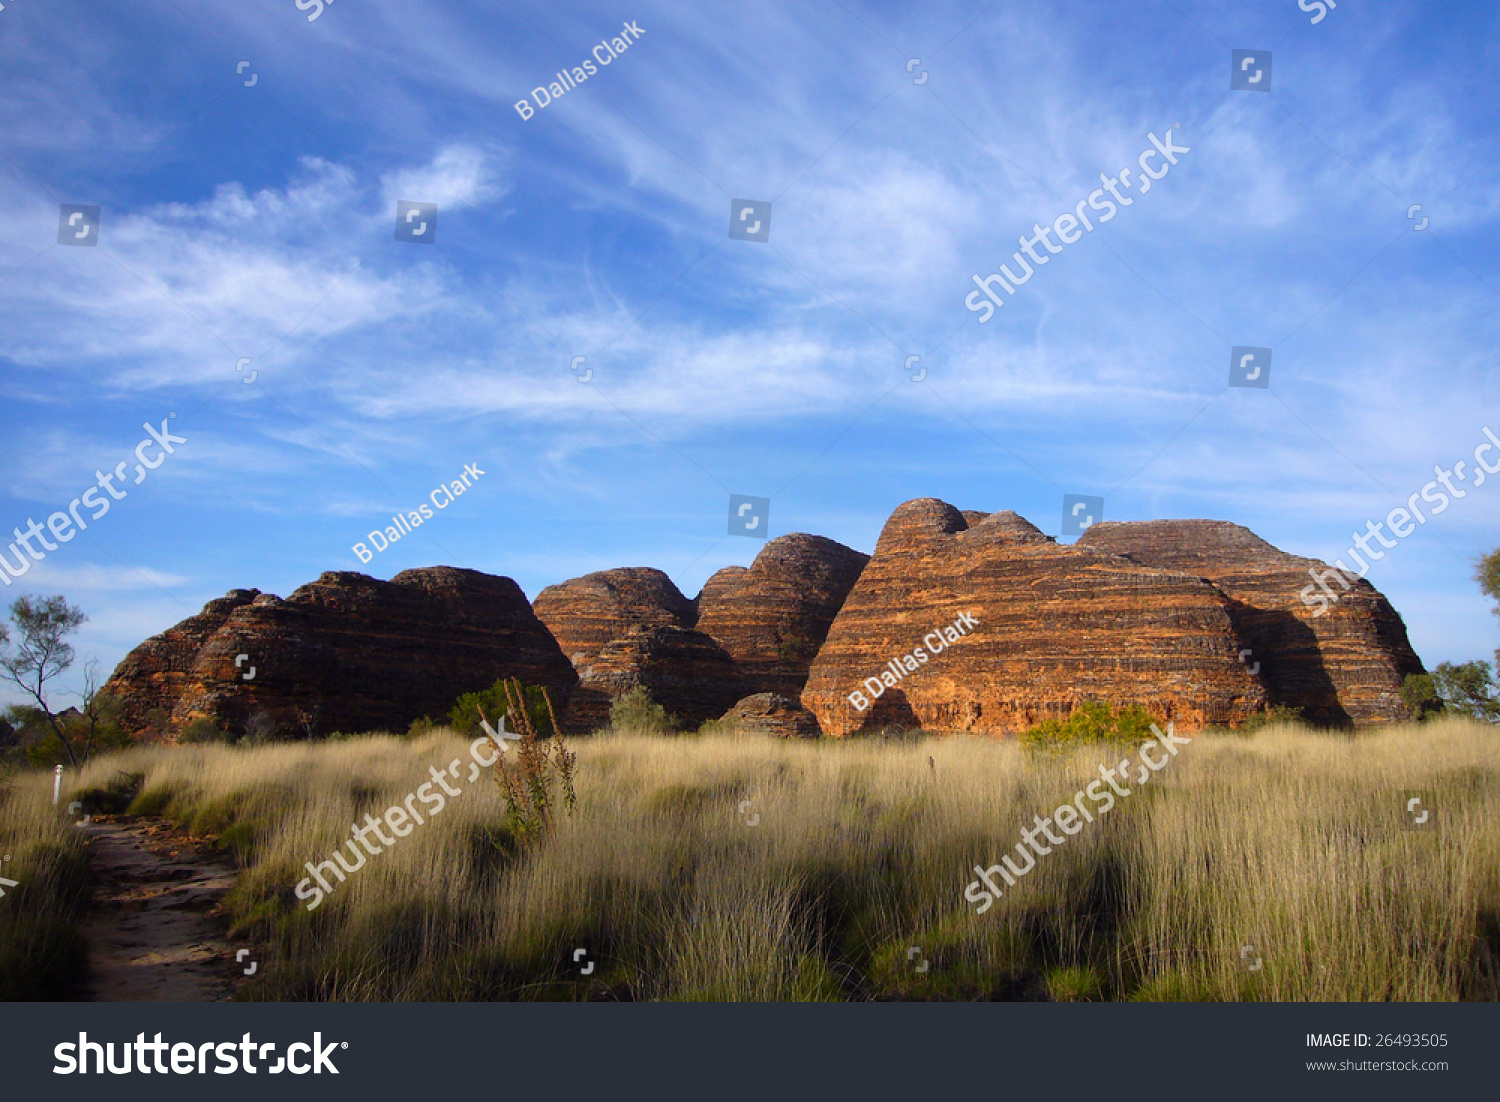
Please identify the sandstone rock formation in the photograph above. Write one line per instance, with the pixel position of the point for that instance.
(717, 588)
(684, 671)
(773, 714)
(584, 614)
(346, 652)
(630, 628)
(1172, 616)
(1056, 626)
(153, 675)
(961, 621)
(773, 617)
(1344, 666)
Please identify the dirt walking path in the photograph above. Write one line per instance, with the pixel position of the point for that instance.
(152, 935)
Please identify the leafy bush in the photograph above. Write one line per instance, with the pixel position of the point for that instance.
(203, 730)
(43, 749)
(1274, 716)
(796, 648)
(1093, 721)
(1420, 694)
(637, 713)
(1468, 689)
(114, 797)
(495, 702)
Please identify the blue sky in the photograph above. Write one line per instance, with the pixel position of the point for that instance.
(258, 222)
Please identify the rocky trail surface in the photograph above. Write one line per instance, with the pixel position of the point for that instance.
(153, 933)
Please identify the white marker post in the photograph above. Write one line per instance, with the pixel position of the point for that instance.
(56, 784)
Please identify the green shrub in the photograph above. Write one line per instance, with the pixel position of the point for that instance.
(1274, 716)
(46, 749)
(203, 730)
(795, 649)
(465, 715)
(637, 713)
(1093, 721)
(1467, 689)
(113, 798)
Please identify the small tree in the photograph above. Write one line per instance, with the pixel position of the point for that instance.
(1420, 692)
(1466, 689)
(1469, 689)
(39, 654)
(1487, 573)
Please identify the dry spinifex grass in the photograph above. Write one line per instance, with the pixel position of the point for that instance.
(742, 868)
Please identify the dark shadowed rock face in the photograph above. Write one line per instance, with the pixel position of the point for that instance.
(774, 714)
(1056, 626)
(349, 652)
(1344, 666)
(586, 613)
(152, 676)
(683, 670)
(774, 616)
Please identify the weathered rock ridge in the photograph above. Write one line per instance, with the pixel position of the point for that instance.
(153, 675)
(684, 671)
(584, 614)
(1061, 625)
(773, 617)
(346, 652)
(1199, 622)
(1343, 666)
(632, 628)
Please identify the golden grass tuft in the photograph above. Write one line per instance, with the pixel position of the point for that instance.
(41, 955)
